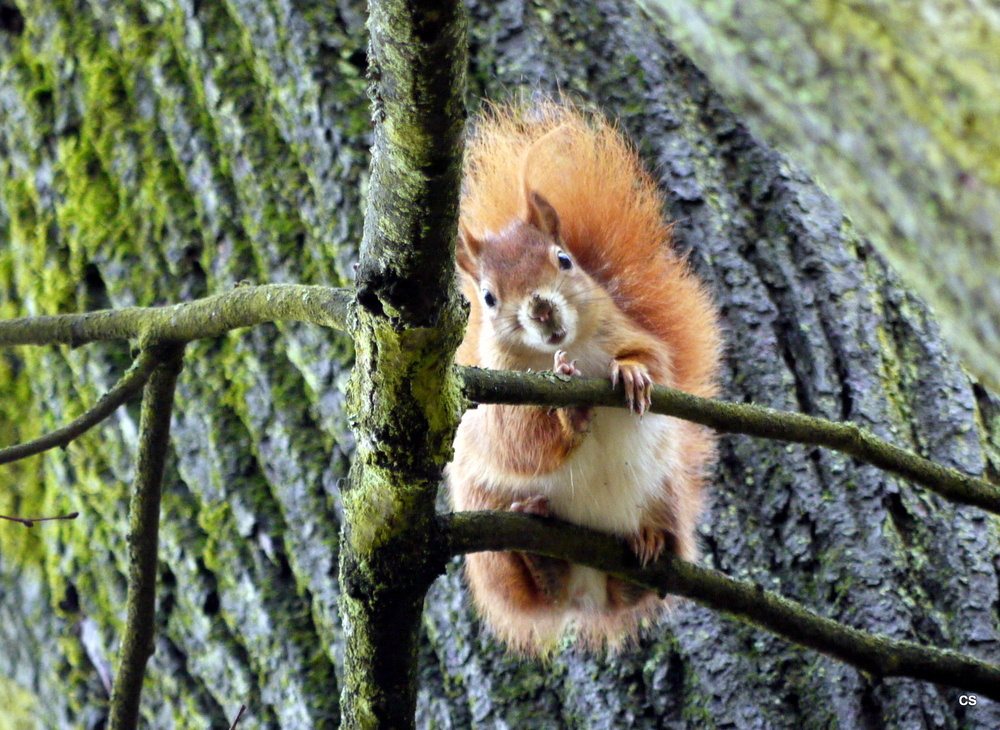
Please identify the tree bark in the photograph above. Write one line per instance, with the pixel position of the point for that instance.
(893, 108)
(153, 156)
(407, 324)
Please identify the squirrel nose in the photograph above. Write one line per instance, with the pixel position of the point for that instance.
(541, 309)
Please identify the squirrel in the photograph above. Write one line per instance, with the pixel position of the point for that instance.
(565, 258)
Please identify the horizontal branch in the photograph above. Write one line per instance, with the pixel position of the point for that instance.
(879, 655)
(130, 384)
(250, 305)
(212, 316)
(30, 521)
(493, 386)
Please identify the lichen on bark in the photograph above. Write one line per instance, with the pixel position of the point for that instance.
(259, 121)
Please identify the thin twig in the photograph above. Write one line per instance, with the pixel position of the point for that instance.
(144, 519)
(30, 521)
(238, 716)
(212, 316)
(130, 384)
(494, 386)
(879, 655)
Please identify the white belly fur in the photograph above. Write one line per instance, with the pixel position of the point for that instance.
(616, 470)
(607, 483)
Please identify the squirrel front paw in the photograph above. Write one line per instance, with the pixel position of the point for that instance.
(563, 365)
(576, 418)
(637, 381)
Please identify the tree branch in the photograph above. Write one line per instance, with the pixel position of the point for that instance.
(326, 306)
(129, 385)
(403, 399)
(144, 521)
(492, 386)
(246, 306)
(212, 316)
(881, 656)
(30, 521)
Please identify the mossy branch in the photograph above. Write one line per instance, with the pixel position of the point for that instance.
(247, 306)
(144, 521)
(212, 316)
(403, 399)
(491, 386)
(130, 384)
(331, 307)
(880, 656)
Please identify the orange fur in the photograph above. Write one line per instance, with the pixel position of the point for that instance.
(540, 180)
(612, 220)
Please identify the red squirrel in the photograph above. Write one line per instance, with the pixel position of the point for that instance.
(565, 258)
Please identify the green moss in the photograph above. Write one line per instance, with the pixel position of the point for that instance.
(20, 707)
(19, 495)
(109, 193)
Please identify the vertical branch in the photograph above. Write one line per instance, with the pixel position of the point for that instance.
(417, 62)
(144, 521)
(404, 397)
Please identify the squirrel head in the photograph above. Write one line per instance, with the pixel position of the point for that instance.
(531, 291)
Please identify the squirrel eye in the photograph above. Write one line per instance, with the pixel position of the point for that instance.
(565, 262)
(491, 301)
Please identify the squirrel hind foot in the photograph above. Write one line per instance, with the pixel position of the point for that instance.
(549, 578)
(650, 542)
(622, 594)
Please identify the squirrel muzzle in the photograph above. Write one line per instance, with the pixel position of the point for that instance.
(545, 315)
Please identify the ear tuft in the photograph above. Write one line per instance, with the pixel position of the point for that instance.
(541, 214)
(467, 250)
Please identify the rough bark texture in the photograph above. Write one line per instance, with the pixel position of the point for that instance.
(895, 109)
(153, 152)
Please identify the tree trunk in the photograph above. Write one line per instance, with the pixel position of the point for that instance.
(151, 156)
(893, 107)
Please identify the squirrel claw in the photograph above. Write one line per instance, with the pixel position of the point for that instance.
(637, 382)
(578, 418)
(647, 544)
(536, 505)
(563, 365)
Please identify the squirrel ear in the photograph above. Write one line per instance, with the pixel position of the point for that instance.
(542, 215)
(467, 249)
